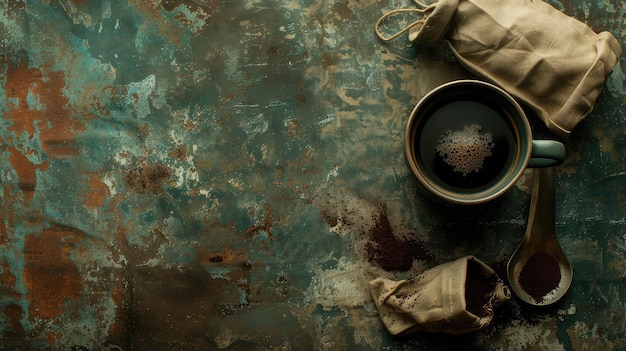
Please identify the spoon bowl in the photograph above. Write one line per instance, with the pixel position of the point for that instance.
(539, 273)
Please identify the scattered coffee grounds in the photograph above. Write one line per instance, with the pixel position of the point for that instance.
(387, 250)
(478, 288)
(540, 275)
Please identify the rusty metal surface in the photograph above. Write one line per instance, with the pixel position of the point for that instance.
(211, 174)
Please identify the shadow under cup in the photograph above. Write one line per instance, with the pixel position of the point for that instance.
(468, 142)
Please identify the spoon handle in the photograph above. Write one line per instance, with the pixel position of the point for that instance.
(542, 207)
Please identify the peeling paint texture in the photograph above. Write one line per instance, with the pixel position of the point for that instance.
(229, 175)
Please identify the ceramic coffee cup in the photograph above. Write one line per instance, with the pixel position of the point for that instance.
(469, 141)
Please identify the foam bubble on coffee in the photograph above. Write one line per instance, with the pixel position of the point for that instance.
(466, 150)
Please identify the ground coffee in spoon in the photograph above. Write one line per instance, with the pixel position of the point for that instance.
(540, 275)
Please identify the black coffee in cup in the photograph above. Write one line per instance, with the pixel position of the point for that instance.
(468, 142)
(465, 145)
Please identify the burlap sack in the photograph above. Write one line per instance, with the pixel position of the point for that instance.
(458, 297)
(552, 62)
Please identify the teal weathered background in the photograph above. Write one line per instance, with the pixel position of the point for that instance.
(212, 174)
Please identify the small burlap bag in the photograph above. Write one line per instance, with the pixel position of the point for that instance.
(552, 62)
(458, 297)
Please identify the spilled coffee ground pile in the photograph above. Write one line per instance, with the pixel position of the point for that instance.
(388, 251)
(389, 245)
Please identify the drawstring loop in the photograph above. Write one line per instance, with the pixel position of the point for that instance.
(423, 8)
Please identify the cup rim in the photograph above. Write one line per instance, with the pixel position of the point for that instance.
(520, 162)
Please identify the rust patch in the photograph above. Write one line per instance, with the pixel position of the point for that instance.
(19, 80)
(57, 127)
(7, 282)
(267, 222)
(180, 153)
(308, 154)
(13, 313)
(328, 60)
(52, 337)
(273, 50)
(182, 302)
(14, 8)
(265, 226)
(97, 192)
(26, 172)
(49, 275)
(4, 235)
(120, 330)
(148, 178)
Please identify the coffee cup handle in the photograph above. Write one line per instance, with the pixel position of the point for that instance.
(546, 153)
